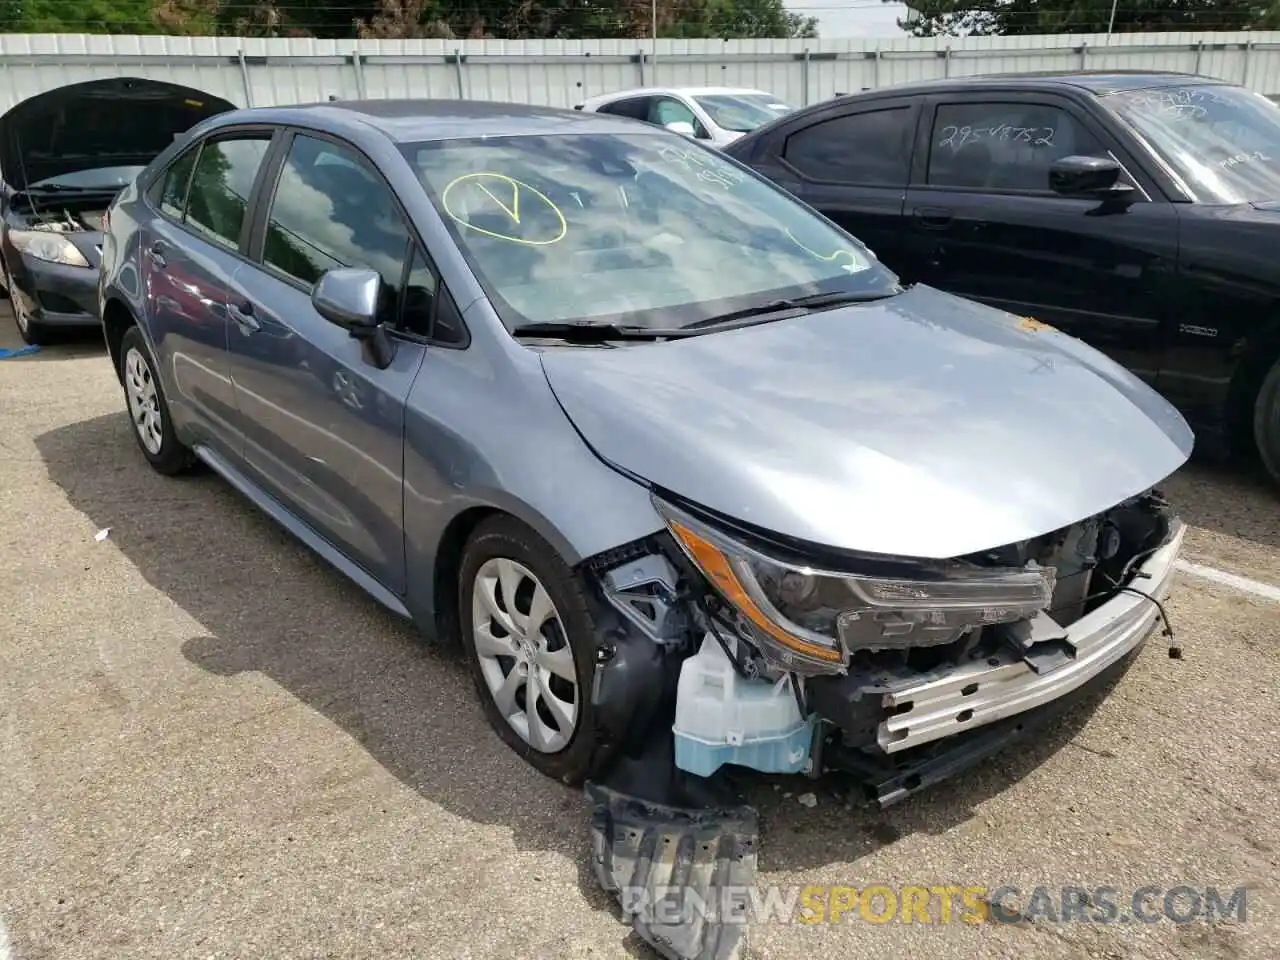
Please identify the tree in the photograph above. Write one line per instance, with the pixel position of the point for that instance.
(1013, 17)
(584, 19)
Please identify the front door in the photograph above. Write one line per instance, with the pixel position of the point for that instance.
(985, 225)
(323, 424)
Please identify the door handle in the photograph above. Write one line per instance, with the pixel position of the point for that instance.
(242, 314)
(156, 254)
(934, 218)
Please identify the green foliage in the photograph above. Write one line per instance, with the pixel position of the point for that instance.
(448, 19)
(1012, 17)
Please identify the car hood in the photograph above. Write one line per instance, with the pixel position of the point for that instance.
(120, 121)
(923, 425)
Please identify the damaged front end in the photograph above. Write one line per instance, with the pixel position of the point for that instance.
(743, 649)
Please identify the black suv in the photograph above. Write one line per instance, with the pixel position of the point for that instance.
(1133, 210)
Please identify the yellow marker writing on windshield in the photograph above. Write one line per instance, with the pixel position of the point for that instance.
(853, 266)
(496, 187)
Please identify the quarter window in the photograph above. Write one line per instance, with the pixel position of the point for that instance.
(330, 210)
(420, 298)
(871, 148)
(220, 187)
(1003, 146)
(173, 190)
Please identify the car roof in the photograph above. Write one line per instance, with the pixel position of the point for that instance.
(409, 121)
(685, 91)
(1101, 83)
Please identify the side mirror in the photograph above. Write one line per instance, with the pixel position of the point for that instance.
(348, 297)
(682, 127)
(1078, 176)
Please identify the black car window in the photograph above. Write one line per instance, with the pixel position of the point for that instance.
(221, 184)
(1003, 146)
(173, 187)
(869, 148)
(637, 108)
(330, 210)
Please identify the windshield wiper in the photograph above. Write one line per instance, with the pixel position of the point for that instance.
(587, 332)
(781, 309)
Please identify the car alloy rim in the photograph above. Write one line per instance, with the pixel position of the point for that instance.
(524, 654)
(144, 401)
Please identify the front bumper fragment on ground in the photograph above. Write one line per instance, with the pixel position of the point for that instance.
(673, 870)
(987, 691)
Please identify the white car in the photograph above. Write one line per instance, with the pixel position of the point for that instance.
(717, 114)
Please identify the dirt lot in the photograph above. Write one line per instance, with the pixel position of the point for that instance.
(213, 746)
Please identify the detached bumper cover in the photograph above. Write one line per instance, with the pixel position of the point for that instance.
(673, 871)
(988, 691)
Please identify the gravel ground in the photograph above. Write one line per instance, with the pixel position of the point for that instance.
(213, 746)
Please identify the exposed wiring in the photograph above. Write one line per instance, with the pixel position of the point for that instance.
(724, 645)
(795, 688)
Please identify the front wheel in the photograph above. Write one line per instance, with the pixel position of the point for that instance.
(31, 331)
(529, 639)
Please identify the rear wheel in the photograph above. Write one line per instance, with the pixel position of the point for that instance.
(148, 409)
(529, 638)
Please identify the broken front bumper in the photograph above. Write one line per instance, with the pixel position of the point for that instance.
(951, 701)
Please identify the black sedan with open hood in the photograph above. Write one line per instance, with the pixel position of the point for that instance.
(64, 155)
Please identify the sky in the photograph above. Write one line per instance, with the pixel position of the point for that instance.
(852, 18)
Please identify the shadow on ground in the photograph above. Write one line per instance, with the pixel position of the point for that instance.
(1231, 497)
(71, 343)
(268, 605)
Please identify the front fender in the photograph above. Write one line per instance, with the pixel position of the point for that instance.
(483, 430)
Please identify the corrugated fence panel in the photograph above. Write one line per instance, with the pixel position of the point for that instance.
(258, 72)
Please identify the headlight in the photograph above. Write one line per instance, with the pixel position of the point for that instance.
(803, 617)
(47, 245)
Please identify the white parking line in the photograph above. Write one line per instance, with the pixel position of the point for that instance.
(1244, 584)
(5, 953)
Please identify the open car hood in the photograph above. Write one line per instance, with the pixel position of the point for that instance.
(120, 121)
(924, 425)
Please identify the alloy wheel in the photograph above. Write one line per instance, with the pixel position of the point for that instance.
(524, 655)
(144, 401)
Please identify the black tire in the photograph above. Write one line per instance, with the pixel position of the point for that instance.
(34, 333)
(172, 458)
(506, 537)
(1266, 422)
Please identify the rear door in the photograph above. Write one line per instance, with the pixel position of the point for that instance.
(985, 225)
(190, 249)
(323, 423)
(851, 163)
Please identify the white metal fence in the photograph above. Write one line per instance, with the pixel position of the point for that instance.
(251, 72)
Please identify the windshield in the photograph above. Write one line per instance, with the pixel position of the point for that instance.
(1223, 141)
(644, 229)
(742, 112)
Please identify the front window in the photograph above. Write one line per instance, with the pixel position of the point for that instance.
(742, 112)
(641, 228)
(1223, 141)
